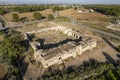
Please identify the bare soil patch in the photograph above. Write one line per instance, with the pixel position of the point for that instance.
(2, 71)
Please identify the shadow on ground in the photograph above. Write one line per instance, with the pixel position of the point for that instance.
(48, 46)
(118, 55)
(108, 58)
(110, 44)
(23, 66)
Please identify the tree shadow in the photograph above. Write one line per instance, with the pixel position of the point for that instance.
(23, 19)
(108, 58)
(23, 66)
(110, 44)
(30, 37)
(48, 46)
(43, 17)
(118, 55)
(41, 41)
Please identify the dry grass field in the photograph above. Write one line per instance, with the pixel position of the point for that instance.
(29, 15)
(83, 16)
(69, 12)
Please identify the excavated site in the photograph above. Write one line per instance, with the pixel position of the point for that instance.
(53, 43)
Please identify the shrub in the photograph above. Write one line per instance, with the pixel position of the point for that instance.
(50, 17)
(15, 17)
(37, 16)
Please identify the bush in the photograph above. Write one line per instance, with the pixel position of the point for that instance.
(58, 8)
(1, 11)
(50, 17)
(37, 16)
(63, 19)
(2, 32)
(15, 17)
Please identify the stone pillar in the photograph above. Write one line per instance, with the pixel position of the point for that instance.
(80, 50)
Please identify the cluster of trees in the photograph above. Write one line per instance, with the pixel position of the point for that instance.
(113, 10)
(11, 48)
(1, 11)
(87, 71)
(110, 74)
(29, 8)
(36, 16)
(24, 8)
(58, 8)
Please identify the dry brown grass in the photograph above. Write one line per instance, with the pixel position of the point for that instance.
(69, 12)
(1, 37)
(2, 71)
(83, 16)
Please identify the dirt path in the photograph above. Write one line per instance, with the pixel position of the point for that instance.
(33, 72)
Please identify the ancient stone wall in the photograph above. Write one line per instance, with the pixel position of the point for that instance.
(78, 50)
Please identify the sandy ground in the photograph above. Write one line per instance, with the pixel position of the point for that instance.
(35, 27)
(33, 72)
(2, 71)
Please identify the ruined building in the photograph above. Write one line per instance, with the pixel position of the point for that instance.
(56, 52)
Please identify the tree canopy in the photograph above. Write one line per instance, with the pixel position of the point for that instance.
(113, 10)
(11, 48)
(50, 17)
(58, 8)
(37, 16)
(15, 17)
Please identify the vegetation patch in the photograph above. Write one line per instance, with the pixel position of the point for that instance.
(11, 49)
(62, 19)
(113, 10)
(87, 71)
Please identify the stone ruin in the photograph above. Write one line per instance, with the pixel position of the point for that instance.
(61, 51)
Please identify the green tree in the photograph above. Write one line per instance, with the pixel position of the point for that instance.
(50, 17)
(75, 8)
(15, 17)
(11, 48)
(58, 8)
(37, 16)
(12, 45)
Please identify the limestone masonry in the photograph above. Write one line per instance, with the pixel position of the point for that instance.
(56, 52)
